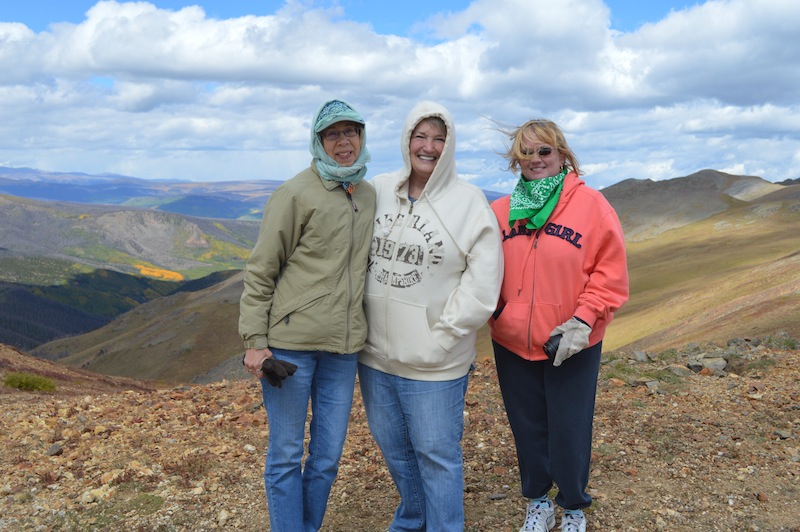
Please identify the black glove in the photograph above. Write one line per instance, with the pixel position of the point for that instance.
(276, 370)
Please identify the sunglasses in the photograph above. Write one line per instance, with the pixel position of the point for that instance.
(543, 151)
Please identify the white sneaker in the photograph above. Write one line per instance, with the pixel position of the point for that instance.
(573, 523)
(540, 517)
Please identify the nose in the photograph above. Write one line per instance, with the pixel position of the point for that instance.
(427, 144)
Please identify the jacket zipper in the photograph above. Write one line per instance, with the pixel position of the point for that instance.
(350, 270)
(351, 200)
(530, 311)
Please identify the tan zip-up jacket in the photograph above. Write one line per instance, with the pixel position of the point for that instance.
(304, 280)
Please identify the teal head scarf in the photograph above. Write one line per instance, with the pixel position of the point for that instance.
(330, 113)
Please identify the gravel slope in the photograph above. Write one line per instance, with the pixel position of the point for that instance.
(674, 449)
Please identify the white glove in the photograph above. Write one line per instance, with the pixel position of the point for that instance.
(574, 338)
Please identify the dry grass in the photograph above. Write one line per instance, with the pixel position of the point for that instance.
(731, 275)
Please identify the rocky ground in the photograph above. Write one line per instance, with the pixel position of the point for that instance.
(702, 438)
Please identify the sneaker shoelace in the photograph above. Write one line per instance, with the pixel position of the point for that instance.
(536, 520)
(572, 523)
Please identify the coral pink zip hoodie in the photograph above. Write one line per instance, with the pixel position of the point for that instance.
(574, 265)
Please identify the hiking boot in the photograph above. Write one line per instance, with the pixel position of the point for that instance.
(573, 523)
(540, 516)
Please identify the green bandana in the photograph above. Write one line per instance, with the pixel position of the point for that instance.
(534, 200)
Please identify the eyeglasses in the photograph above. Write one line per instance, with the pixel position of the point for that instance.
(543, 151)
(334, 135)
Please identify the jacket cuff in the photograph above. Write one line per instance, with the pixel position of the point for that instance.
(256, 342)
(586, 316)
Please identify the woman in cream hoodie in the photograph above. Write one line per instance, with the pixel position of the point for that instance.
(434, 276)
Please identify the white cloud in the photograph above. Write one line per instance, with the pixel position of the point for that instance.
(736, 51)
(143, 91)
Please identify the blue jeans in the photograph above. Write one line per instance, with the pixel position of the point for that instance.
(418, 426)
(297, 496)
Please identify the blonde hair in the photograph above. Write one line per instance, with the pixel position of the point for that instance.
(541, 130)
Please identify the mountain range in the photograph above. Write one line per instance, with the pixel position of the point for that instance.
(712, 256)
(68, 268)
(227, 199)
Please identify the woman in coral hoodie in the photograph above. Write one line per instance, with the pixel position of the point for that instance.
(565, 275)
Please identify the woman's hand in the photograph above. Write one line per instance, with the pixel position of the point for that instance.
(253, 359)
(575, 338)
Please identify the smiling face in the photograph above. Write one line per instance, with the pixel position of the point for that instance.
(339, 146)
(425, 148)
(539, 160)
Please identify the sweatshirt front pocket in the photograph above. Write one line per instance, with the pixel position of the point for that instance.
(519, 327)
(511, 324)
(410, 339)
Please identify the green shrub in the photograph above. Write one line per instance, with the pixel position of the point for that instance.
(27, 381)
(783, 342)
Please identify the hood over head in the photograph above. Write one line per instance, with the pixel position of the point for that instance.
(445, 173)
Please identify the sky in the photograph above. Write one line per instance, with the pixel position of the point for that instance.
(223, 90)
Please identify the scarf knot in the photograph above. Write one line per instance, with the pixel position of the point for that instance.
(535, 200)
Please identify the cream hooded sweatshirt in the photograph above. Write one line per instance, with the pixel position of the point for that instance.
(435, 267)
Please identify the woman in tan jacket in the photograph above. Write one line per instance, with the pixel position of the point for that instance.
(302, 308)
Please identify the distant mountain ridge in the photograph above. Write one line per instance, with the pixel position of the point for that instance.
(710, 254)
(648, 208)
(225, 199)
(233, 200)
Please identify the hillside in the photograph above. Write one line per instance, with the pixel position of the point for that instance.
(735, 271)
(726, 274)
(69, 381)
(674, 449)
(127, 240)
(68, 268)
(33, 314)
(172, 339)
(649, 208)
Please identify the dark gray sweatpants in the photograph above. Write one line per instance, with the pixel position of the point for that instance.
(550, 410)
